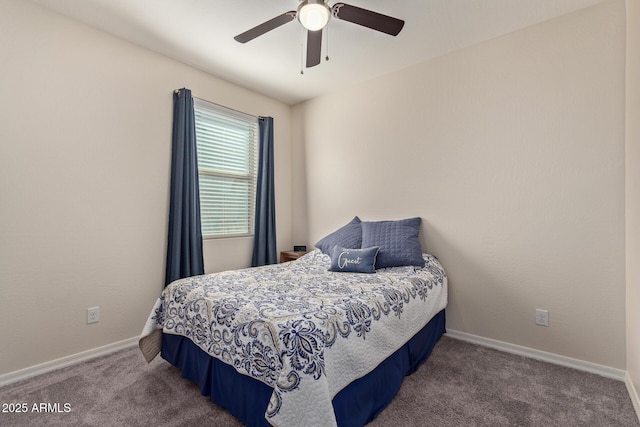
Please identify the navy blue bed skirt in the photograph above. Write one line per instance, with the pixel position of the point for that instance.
(247, 398)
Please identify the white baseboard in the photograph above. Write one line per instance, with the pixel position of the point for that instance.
(594, 368)
(63, 362)
(633, 394)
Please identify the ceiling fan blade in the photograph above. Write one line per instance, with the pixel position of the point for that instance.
(266, 27)
(314, 48)
(367, 18)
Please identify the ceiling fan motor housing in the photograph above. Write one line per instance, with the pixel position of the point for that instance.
(313, 14)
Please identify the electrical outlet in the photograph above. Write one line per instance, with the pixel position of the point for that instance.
(93, 315)
(542, 317)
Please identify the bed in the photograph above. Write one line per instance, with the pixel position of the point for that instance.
(296, 343)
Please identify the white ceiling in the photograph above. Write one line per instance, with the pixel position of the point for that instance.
(200, 33)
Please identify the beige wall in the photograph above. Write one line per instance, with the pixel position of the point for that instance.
(85, 140)
(512, 152)
(633, 199)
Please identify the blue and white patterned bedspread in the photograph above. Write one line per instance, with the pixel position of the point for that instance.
(299, 328)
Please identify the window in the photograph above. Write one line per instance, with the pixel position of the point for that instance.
(227, 143)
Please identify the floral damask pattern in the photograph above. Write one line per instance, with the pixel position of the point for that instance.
(276, 323)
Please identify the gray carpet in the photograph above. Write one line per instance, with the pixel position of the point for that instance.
(460, 385)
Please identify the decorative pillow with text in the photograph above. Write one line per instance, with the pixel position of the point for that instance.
(354, 260)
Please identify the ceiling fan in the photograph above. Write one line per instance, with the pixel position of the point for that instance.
(314, 16)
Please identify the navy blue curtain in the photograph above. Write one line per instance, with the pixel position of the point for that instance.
(184, 243)
(264, 238)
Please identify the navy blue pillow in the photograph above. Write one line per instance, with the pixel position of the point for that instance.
(354, 260)
(348, 236)
(398, 242)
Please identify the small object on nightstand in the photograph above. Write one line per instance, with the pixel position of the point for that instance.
(286, 256)
(299, 248)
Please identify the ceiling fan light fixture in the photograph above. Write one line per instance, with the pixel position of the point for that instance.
(314, 14)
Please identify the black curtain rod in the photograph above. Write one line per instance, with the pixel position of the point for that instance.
(177, 92)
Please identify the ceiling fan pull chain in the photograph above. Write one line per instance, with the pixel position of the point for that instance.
(303, 33)
(327, 42)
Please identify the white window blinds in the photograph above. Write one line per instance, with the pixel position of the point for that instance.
(227, 143)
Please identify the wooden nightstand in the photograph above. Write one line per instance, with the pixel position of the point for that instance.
(286, 256)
